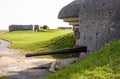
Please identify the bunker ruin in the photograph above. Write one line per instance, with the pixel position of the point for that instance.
(24, 27)
(95, 22)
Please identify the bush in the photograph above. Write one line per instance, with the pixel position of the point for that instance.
(45, 27)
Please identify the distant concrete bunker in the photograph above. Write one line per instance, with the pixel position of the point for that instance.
(95, 22)
(24, 27)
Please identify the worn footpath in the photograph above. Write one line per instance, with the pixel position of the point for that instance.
(14, 65)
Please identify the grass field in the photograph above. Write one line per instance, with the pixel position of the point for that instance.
(29, 41)
(102, 64)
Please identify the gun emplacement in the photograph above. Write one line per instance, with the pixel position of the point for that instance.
(64, 51)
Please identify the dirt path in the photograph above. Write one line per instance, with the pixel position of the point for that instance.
(16, 66)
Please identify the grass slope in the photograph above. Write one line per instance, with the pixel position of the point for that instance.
(61, 42)
(40, 41)
(102, 64)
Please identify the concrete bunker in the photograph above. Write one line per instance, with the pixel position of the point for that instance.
(95, 22)
(24, 27)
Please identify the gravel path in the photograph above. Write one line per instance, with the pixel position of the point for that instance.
(16, 66)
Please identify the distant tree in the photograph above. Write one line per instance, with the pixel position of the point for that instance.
(45, 27)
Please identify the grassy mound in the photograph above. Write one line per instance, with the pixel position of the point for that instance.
(60, 42)
(40, 41)
(102, 64)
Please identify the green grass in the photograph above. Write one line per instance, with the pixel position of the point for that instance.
(40, 41)
(102, 64)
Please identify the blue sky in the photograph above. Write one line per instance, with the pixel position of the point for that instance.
(31, 12)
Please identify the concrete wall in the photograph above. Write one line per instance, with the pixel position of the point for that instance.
(76, 35)
(99, 23)
(23, 27)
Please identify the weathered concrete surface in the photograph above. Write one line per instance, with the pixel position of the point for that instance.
(99, 21)
(24, 27)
